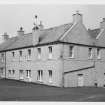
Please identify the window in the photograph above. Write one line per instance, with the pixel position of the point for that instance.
(50, 52)
(9, 71)
(71, 51)
(98, 53)
(39, 53)
(29, 52)
(50, 75)
(40, 75)
(28, 73)
(21, 71)
(2, 57)
(20, 53)
(13, 54)
(90, 53)
(1, 71)
(13, 72)
(21, 74)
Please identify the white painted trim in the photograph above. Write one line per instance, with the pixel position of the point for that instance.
(68, 31)
(100, 33)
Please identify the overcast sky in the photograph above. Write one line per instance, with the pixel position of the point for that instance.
(14, 16)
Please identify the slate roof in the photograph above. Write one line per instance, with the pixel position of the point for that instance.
(94, 33)
(46, 36)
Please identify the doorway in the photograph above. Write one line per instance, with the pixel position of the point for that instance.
(80, 80)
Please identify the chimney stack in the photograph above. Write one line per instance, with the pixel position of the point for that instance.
(20, 32)
(41, 26)
(5, 37)
(102, 24)
(77, 17)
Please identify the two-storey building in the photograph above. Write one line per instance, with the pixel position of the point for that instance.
(68, 55)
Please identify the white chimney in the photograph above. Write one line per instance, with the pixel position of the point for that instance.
(102, 24)
(77, 17)
(5, 37)
(20, 32)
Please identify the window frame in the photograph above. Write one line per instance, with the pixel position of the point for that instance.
(98, 53)
(20, 53)
(39, 52)
(50, 72)
(29, 52)
(13, 54)
(50, 52)
(71, 51)
(40, 75)
(90, 53)
(28, 73)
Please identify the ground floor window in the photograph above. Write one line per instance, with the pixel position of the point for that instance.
(40, 75)
(9, 72)
(1, 71)
(50, 75)
(28, 73)
(13, 72)
(21, 72)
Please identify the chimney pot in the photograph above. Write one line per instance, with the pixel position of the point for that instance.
(5, 36)
(20, 32)
(77, 17)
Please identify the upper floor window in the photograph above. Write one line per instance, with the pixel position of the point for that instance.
(13, 54)
(20, 52)
(71, 55)
(50, 52)
(29, 52)
(90, 53)
(98, 53)
(2, 54)
(39, 53)
(2, 57)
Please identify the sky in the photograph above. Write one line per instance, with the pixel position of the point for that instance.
(13, 16)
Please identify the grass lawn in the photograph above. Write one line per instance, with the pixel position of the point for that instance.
(11, 90)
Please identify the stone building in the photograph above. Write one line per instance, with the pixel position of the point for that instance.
(68, 55)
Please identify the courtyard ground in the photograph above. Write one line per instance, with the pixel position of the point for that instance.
(11, 90)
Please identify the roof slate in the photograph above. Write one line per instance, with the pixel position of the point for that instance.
(94, 33)
(46, 36)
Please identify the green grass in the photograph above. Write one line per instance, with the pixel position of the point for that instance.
(11, 90)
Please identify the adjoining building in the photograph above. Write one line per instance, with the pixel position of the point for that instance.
(68, 55)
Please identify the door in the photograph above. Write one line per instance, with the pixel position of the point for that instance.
(80, 80)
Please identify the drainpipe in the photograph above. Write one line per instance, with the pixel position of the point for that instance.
(5, 65)
(63, 67)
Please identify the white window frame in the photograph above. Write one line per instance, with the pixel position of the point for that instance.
(21, 74)
(71, 51)
(40, 75)
(2, 57)
(50, 52)
(28, 73)
(13, 54)
(13, 72)
(98, 53)
(9, 72)
(90, 53)
(39, 53)
(50, 75)
(1, 71)
(20, 53)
